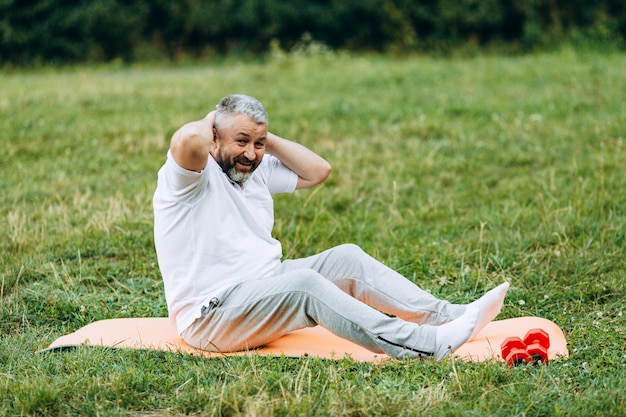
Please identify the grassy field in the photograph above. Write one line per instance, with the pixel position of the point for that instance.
(460, 173)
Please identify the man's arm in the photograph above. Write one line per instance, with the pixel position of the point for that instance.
(311, 168)
(190, 145)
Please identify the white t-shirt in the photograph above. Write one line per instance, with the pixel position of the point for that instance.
(210, 233)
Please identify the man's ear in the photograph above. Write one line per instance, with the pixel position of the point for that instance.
(214, 141)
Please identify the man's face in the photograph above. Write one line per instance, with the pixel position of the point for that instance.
(239, 148)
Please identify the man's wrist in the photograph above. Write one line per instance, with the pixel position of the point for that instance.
(270, 142)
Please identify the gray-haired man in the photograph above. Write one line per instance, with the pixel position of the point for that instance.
(225, 284)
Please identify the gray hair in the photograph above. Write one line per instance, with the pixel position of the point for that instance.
(235, 104)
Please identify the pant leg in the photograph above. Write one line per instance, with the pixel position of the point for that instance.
(257, 312)
(377, 285)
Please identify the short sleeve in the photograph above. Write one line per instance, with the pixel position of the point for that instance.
(281, 179)
(178, 182)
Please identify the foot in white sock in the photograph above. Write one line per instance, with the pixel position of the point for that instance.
(489, 306)
(451, 335)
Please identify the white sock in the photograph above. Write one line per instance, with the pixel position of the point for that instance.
(489, 306)
(453, 334)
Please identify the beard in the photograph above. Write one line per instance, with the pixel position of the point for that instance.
(238, 177)
(230, 169)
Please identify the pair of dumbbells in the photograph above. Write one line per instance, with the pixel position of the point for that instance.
(532, 349)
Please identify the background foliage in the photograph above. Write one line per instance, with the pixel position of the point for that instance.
(458, 172)
(62, 31)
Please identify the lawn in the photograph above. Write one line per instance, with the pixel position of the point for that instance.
(458, 172)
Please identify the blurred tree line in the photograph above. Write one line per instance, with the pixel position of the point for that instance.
(63, 31)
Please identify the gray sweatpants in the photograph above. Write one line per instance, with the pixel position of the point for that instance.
(342, 289)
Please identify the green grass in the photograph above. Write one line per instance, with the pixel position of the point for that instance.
(460, 173)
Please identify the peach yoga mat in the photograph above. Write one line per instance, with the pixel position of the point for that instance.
(157, 334)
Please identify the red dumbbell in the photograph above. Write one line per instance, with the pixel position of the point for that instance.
(514, 351)
(537, 343)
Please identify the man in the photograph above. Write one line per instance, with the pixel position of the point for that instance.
(225, 284)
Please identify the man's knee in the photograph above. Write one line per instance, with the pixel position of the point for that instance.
(308, 280)
(350, 256)
(349, 251)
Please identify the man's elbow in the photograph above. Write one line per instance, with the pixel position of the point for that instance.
(324, 171)
(321, 173)
(190, 150)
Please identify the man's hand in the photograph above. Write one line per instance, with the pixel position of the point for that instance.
(211, 116)
(311, 168)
